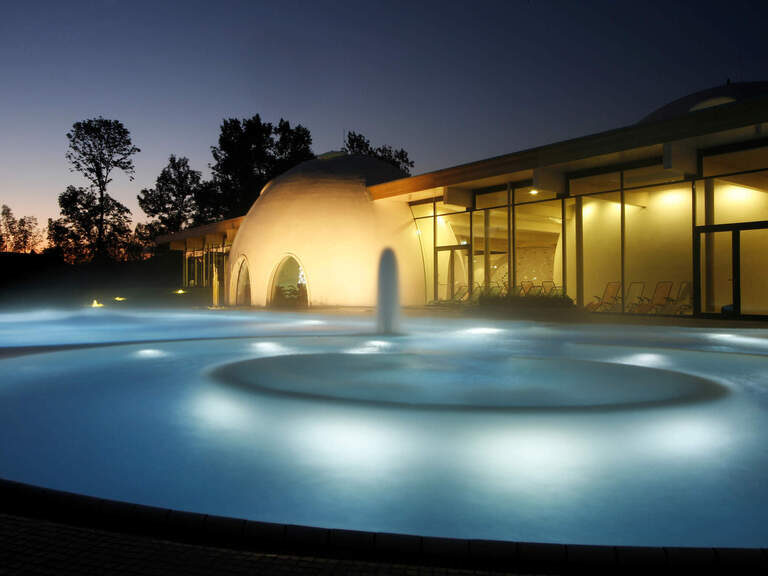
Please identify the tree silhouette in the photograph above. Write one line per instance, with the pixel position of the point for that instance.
(18, 235)
(97, 147)
(172, 201)
(249, 154)
(356, 143)
(89, 223)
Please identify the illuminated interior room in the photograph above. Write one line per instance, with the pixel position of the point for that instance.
(667, 216)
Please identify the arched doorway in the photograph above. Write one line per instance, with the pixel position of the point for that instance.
(289, 287)
(243, 294)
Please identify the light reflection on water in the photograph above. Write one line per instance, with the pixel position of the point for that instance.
(146, 422)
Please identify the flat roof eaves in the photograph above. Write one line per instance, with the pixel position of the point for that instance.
(706, 121)
(220, 227)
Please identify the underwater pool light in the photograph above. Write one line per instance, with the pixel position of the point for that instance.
(150, 353)
(482, 331)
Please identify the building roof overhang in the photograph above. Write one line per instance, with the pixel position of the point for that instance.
(215, 229)
(645, 138)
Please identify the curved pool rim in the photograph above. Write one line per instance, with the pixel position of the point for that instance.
(27, 500)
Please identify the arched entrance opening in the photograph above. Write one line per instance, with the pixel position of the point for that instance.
(243, 294)
(289, 287)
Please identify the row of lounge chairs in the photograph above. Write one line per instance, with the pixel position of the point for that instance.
(635, 302)
(525, 288)
(546, 288)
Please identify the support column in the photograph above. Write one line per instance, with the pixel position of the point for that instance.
(434, 252)
(709, 245)
(486, 248)
(564, 251)
(184, 267)
(623, 247)
(579, 253)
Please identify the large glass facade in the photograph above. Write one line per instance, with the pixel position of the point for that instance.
(716, 272)
(616, 241)
(601, 251)
(753, 247)
(658, 249)
(538, 247)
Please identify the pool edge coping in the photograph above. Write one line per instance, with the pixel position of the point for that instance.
(17, 498)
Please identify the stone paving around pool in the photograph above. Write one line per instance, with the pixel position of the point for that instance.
(32, 546)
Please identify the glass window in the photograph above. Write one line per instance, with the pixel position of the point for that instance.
(489, 250)
(657, 250)
(700, 203)
(754, 263)
(478, 249)
(739, 198)
(422, 209)
(597, 183)
(289, 288)
(496, 250)
(538, 247)
(531, 194)
(453, 229)
(453, 274)
(443, 208)
(571, 253)
(491, 199)
(649, 175)
(716, 272)
(243, 291)
(601, 245)
(741, 161)
(425, 230)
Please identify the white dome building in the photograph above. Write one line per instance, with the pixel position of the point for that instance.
(314, 237)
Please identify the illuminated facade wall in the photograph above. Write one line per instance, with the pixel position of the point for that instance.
(650, 239)
(630, 227)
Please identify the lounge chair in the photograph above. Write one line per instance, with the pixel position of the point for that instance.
(656, 302)
(461, 293)
(525, 285)
(607, 301)
(495, 289)
(634, 296)
(547, 287)
(680, 304)
(534, 291)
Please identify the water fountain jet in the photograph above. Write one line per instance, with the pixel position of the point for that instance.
(388, 304)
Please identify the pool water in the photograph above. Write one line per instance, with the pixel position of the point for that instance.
(523, 431)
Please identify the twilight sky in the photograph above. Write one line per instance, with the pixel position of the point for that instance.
(451, 82)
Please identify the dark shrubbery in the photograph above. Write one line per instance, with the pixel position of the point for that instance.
(32, 280)
(555, 308)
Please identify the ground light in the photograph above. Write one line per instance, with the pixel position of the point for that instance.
(180, 291)
(96, 304)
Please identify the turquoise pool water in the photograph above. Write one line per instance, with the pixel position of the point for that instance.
(505, 430)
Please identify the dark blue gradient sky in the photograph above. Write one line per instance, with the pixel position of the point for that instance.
(451, 82)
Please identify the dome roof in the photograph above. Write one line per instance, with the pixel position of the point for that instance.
(321, 215)
(717, 96)
(343, 166)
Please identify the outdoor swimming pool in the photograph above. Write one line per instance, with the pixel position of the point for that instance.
(521, 431)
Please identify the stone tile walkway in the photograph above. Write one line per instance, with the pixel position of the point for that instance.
(31, 547)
